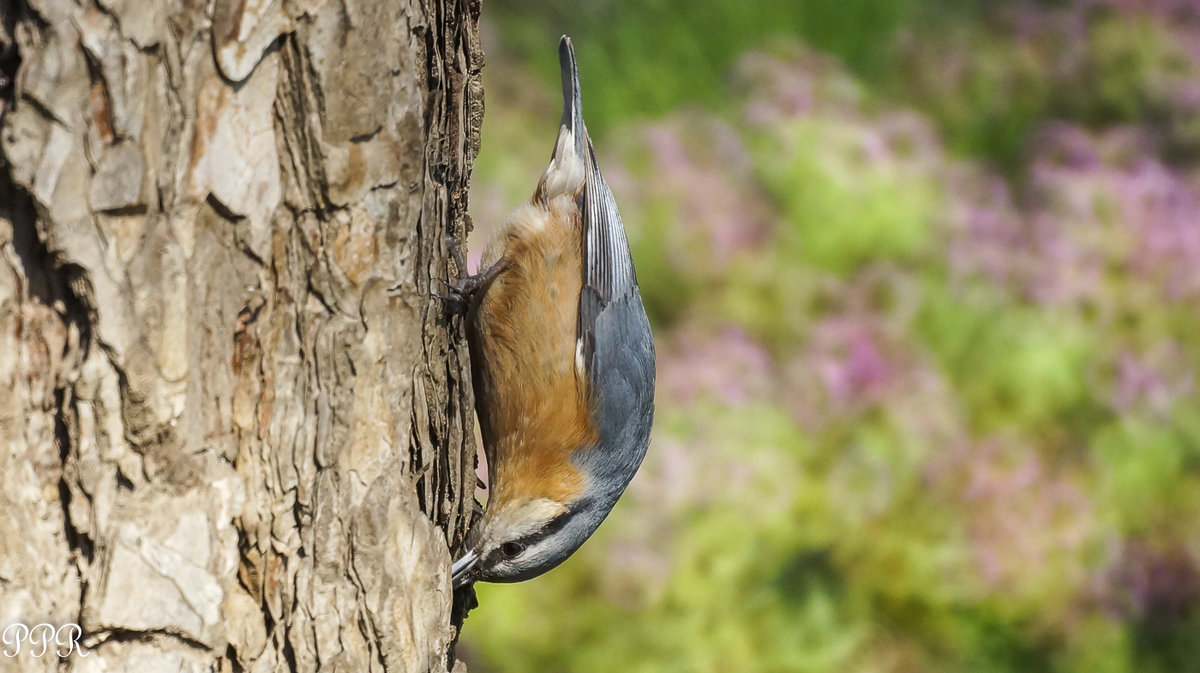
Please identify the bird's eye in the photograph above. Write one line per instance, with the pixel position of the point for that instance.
(511, 549)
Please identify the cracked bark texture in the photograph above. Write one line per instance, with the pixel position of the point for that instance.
(236, 427)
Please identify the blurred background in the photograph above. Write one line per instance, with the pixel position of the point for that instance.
(925, 283)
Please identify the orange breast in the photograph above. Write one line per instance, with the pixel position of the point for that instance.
(530, 397)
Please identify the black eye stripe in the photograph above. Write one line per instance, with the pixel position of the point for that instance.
(500, 554)
(552, 526)
(558, 523)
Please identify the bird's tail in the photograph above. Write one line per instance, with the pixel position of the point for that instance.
(566, 172)
(572, 114)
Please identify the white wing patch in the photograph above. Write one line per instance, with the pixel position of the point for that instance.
(580, 365)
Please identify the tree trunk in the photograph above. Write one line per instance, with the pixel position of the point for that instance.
(236, 427)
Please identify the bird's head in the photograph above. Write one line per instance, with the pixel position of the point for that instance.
(519, 540)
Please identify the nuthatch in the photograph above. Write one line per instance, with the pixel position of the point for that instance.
(562, 360)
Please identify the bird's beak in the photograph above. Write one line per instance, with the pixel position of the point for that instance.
(463, 570)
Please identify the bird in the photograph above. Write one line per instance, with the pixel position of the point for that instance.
(562, 363)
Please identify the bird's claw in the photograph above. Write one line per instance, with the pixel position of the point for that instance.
(457, 297)
(461, 292)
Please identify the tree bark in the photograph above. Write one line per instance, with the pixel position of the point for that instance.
(237, 429)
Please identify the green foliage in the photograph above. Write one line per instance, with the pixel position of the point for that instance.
(649, 57)
(908, 420)
(668, 288)
(1133, 70)
(986, 105)
(1014, 365)
(1145, 472)
(840, 210)
(772, 606)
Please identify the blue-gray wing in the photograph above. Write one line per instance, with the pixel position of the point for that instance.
(608, 274)
(607, 265)
(623, 401)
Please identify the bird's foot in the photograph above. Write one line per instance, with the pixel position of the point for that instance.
(459, 294)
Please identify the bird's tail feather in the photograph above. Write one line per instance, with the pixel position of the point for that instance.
(572, 115)
(567, 169)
